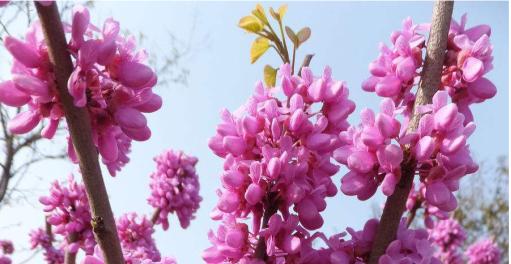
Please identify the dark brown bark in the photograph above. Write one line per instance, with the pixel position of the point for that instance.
(78, 122)
(430, 81)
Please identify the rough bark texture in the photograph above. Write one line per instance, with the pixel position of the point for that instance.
(430, 81)
(78, 122)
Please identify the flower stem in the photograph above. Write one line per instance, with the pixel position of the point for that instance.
(70, 257)
(78, 122)
(155, 215)
(430, 81)
(271, 207)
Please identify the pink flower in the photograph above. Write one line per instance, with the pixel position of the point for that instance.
(279, 144)
(370, 154)
(410, 246)
(110, 78)
(68, 212)
(136, 239)
(97, 258)
(52, 255)
(483, 252)
(175, 187)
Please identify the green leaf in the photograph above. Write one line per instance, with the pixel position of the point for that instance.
(251, 24)
(259, 47)
(292, 36)
(303, 35)
(270, 76)
(260, 14)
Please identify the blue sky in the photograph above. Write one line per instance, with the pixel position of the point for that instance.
(345, 35)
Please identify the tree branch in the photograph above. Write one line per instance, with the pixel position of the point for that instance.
(430, 81)
(271, 207)
(78, 121)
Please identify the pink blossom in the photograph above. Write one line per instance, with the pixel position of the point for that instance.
(370, 154)
(135, 234)
(68, 211)
(97, 258)
(40, 238)
(6, 249)
(410, 246)
(483, 252)
(110, 78)
(6, 246)
(175, 187)
(278, 148)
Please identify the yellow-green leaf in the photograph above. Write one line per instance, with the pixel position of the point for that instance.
(251, 24)
(274, 14)
(260, 14)
(292, 36)
(259, 47)
(270, 76)
(303, 35)
(282, 11)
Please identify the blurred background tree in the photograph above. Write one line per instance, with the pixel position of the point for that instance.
(483, 205)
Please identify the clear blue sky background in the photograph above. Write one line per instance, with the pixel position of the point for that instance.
(345, 36)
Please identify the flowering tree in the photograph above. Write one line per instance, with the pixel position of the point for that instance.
(280, 149)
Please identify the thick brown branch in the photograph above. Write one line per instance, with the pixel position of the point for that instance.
(430, 80)
(78, 122)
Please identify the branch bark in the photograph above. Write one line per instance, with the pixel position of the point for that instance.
(70, 257)
(270, 208)
(78, 121)
(430, 81)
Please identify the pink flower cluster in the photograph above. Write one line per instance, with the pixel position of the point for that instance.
(410, 246)
(97, 258)
(416, 200)
(175, 187)
(469, 56)
(373, 151)
(68, 212)
(483, 252)
(369, 153)
(449, 236)
(136, 239)
(110, 79)
(395, 71)
(6, 249)
(40, 238)
(277, 154)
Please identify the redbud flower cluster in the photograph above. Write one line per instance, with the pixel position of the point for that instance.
(277, 155)
(97, 258)
(6, 249)
(110, 78)
(374, 150)
(483, 252)
(135, 234)
(175, 188)
(40, 238)
(410, 246)
(448, 235)
(68, 212)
